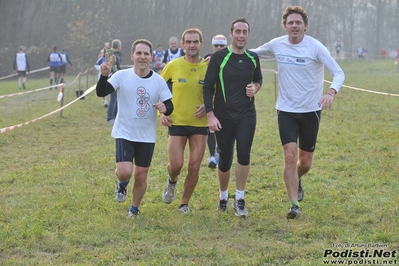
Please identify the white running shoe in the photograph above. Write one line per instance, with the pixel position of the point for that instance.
(120, 192)
(168, 194)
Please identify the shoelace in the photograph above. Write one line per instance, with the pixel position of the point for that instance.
(294, 208)
(241, 204)
(223, 203)
(122, 190)
(170, 189)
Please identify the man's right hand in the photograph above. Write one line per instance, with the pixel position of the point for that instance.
(166, 120)
(213, 122)
(106, 66)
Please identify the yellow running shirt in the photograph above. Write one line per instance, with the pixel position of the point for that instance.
(187, 89)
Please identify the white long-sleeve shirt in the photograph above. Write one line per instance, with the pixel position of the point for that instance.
(301, 72)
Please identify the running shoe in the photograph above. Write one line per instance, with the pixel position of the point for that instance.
(301, 192)
(120, 192)
(294, 212)
(223, 204)
(184, 209)
(212, 162)
(239, 207)
(168, 194)
(133, 214)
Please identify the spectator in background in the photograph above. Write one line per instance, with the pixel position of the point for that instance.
(174, 51)
(114, 55)
(218, 43)
(383, 53)
(338, 47)
(64, 61)
(54, 60)
(157, 59)
(21, 66)
(361, 52)
(365, 51)
(393, 54)
(107, 45)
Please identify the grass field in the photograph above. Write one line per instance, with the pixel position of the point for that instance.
(57, 181)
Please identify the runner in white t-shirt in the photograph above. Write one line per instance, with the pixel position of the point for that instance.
(140, 93)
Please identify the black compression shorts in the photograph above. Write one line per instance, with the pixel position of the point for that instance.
(240, 131)
(186, 131)
(141, 152)
(299, 126)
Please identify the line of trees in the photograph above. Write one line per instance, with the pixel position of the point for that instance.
(82, 26)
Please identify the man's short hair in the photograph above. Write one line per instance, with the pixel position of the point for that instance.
(143, 41)
(192, 31)
(239, 20)
(173, 39)
(294, 10)
(116, 44)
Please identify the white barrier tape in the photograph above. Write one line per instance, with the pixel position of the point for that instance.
(9, 76)
(30, 72)
(26, 92)
(267, 60)
(270, 70)
(349, 87)
(38, 70)
(359, 89)
(40, 89)
(6, 129)
(80, 74)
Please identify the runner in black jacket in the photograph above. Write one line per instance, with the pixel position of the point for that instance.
(236, 73)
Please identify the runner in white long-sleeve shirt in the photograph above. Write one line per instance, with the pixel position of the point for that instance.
(301, 60)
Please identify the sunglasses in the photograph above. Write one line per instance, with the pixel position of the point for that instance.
(219, 45)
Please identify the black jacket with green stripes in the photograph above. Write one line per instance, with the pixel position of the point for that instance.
(225, 83)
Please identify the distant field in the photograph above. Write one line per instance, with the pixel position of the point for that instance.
(57, 182)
